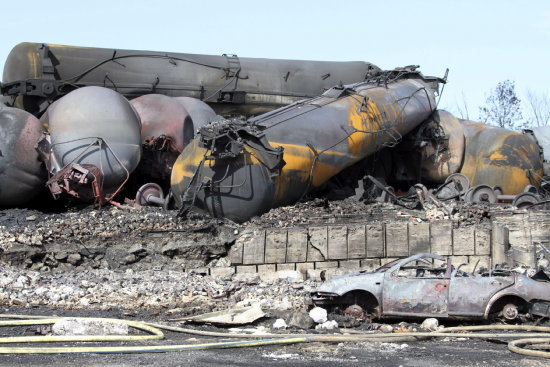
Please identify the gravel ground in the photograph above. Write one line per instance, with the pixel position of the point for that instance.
(171, 291)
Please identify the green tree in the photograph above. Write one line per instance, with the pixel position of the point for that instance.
(502, 107)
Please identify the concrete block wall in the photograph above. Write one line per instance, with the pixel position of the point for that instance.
(517, 238)
(343, 248)
(339, 249)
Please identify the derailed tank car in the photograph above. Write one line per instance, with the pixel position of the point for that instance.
(36, 74)
(238, 169)
(286, 153)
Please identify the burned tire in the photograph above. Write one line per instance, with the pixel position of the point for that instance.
(359, 304)
(508, 308)
(510, 312)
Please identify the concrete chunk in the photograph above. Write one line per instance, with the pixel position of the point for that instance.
(357, 248)
(81, 326)
(375, 240)
(397, 241)
(296, 250)
(441, 239)
(275, 246)
(233, 316)
(337, 242)
(317, 244)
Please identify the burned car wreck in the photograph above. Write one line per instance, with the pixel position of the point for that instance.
(429, 285)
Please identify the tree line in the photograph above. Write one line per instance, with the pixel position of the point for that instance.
(503, 108)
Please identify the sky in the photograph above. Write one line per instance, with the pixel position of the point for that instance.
(481, 42)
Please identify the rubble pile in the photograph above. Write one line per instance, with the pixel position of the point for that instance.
(109, 238)
(320, 210)
(175, 292)
(148, 237)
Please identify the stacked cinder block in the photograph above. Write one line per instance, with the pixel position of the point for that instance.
(344, 248)
(338, 249)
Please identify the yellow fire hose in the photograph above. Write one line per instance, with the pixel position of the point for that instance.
(537, 335)
(154, 333)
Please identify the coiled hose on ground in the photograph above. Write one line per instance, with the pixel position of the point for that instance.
(537, 335)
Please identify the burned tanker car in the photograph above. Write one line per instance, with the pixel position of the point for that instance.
(236, 137)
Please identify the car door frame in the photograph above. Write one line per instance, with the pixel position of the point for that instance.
(416, 296)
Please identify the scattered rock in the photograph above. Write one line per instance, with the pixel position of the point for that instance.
(74, 259)
(233, 316)
(301, 319)
(129, 259)
(318, 315)
(328, 325)
(279, 324)
(137, 249)
(430, 324)
(386, 328)
(61, 256)
(18, 302)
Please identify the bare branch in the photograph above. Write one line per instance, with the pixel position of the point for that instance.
(502, 107)
(462, 108)
(538, 107)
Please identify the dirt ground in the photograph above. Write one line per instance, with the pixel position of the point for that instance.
(451, 351)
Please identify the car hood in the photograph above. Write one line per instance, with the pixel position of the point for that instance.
(344, 283)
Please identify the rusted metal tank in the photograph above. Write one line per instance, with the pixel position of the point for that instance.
(162, 115)
(200, 112)
(37, 74)
(496, 156)
(238, 169)
(443, 150)
(22, 175)
(166, 128)
(95, 140)
(542, 135)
